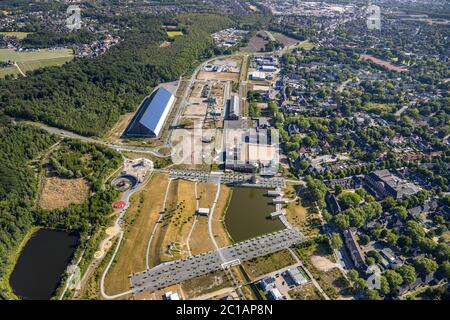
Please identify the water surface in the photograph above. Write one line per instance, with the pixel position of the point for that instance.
(246, 216)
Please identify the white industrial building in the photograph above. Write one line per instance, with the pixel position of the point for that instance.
(151, 116)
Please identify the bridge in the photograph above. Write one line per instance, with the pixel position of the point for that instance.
(229, 178)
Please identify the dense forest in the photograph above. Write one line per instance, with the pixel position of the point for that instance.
(88, 95)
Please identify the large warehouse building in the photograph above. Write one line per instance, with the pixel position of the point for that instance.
(151, 116)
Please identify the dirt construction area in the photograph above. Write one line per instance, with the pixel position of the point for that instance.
(59, 193)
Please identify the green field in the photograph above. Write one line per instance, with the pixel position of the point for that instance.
(173, 34)
(29, 61)
(18, 35)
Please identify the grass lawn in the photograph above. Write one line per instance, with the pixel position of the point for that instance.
(58, 193)
(307, 45)
(332, 282)
(173, 34)
(139, 222)
(18, 35)
(268, 263)
(200, 240)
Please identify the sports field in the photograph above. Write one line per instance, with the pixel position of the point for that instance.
(28, 61)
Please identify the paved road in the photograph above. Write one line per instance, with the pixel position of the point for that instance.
(227, 178)
(174, 272)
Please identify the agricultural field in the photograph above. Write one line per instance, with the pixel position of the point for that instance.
(19, 35)
(28, 61)
(301, 216)
(200, 241)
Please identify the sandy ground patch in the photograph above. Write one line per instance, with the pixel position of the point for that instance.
(145, 206)
(322, 263)
(59, 193)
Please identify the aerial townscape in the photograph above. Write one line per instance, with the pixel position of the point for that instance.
(225, 150)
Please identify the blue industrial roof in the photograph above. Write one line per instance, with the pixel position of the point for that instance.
(157, 111)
